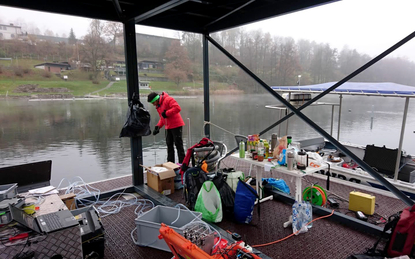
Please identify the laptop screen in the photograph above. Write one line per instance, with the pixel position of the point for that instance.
(25, 219)
(27, 176)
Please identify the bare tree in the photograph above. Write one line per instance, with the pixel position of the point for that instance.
(94, 48)
(178, 66)
(113, 30)
(49, 33)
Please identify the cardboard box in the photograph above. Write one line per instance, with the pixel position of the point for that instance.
(161, 177)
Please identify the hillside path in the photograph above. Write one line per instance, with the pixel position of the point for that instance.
(108, 86)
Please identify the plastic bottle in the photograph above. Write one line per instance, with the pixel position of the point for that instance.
(241, 149)
(290, 160)
(266, 145)
(261, 151)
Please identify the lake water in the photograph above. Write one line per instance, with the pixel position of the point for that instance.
(81, 136)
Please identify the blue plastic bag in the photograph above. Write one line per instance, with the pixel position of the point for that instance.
(278, 184)
(245, 197)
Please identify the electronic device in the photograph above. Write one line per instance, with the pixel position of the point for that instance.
(201, 236)
(45, 223)
(360, 215)
(333, 203)
(27, 176)
(92, 231)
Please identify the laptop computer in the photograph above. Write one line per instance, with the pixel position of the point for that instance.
(27, 176)
(44, 223)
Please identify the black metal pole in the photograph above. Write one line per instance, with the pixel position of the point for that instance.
(133, 87)
(206, 83)
(365, 166)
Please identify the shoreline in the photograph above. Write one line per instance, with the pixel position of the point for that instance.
(65, 97)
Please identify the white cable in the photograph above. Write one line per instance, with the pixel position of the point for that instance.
(208, 122)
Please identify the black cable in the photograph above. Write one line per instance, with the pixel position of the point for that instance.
(18, 255)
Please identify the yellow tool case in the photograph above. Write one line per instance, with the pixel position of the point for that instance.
(363, 202)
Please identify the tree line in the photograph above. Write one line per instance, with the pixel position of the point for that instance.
(276, 60)
(279, 61)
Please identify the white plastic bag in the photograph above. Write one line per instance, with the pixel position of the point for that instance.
(302, 214)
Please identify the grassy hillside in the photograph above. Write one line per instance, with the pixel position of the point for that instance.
(22, 72)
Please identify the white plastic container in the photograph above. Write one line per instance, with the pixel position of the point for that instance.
(149, 223)
(8, 191)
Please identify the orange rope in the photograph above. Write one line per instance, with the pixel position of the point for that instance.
(282, 239)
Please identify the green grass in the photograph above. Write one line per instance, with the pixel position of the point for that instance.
(76, 88)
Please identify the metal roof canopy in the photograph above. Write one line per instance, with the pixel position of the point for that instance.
(198, 16)
(355, 88)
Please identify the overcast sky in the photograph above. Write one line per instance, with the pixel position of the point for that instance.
(369, 26)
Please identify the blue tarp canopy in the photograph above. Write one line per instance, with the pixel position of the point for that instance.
(355, 88)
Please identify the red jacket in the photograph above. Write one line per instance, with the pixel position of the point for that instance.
(172, 108)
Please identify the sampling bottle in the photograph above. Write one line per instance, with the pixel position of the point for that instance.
(242, 149)
(261, 151)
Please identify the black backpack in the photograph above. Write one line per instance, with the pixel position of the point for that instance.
(194, 178)
(227, 195)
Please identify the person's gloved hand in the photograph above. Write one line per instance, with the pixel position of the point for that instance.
(156, 130)
(164, 114)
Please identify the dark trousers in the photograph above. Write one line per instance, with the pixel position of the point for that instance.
(174, 136)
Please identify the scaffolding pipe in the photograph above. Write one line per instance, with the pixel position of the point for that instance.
(398, 159)
(189, 137)
(332, 119)
(340, 116)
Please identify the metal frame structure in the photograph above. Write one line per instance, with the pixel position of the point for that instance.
(322, 132)
(204, 17)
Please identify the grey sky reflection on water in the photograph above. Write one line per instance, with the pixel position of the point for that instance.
(81, 137)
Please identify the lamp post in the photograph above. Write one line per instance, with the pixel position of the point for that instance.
(299, 80)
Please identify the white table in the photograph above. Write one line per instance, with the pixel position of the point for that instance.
(298, 174)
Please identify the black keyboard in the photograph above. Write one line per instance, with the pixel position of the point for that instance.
(52, 220)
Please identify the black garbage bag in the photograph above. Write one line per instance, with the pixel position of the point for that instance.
(138, 120)
(227, 195)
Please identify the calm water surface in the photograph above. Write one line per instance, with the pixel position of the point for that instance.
(81, 136)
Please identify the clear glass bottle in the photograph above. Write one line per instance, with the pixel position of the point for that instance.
(261, 151)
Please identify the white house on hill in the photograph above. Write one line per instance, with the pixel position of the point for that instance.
(9, 32)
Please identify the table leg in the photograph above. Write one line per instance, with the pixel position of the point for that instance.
(258, 182)
(298, 196)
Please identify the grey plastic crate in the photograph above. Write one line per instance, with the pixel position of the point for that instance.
(8, 191)
(149, 223)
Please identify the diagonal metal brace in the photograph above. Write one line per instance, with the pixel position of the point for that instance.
(322, 132)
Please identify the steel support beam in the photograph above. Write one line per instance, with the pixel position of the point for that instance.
(317, 128)
(206, 83)
(159, 9)
(130, 46)
(340, 117)
(398, 159)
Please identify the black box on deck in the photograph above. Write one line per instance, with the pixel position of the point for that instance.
(92, 232)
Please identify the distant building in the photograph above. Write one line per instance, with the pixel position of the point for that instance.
(50, 38)
(149, 45)
(148, 64)
(10, 32)
(54, 67)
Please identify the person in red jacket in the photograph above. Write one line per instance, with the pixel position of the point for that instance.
(169, 112)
